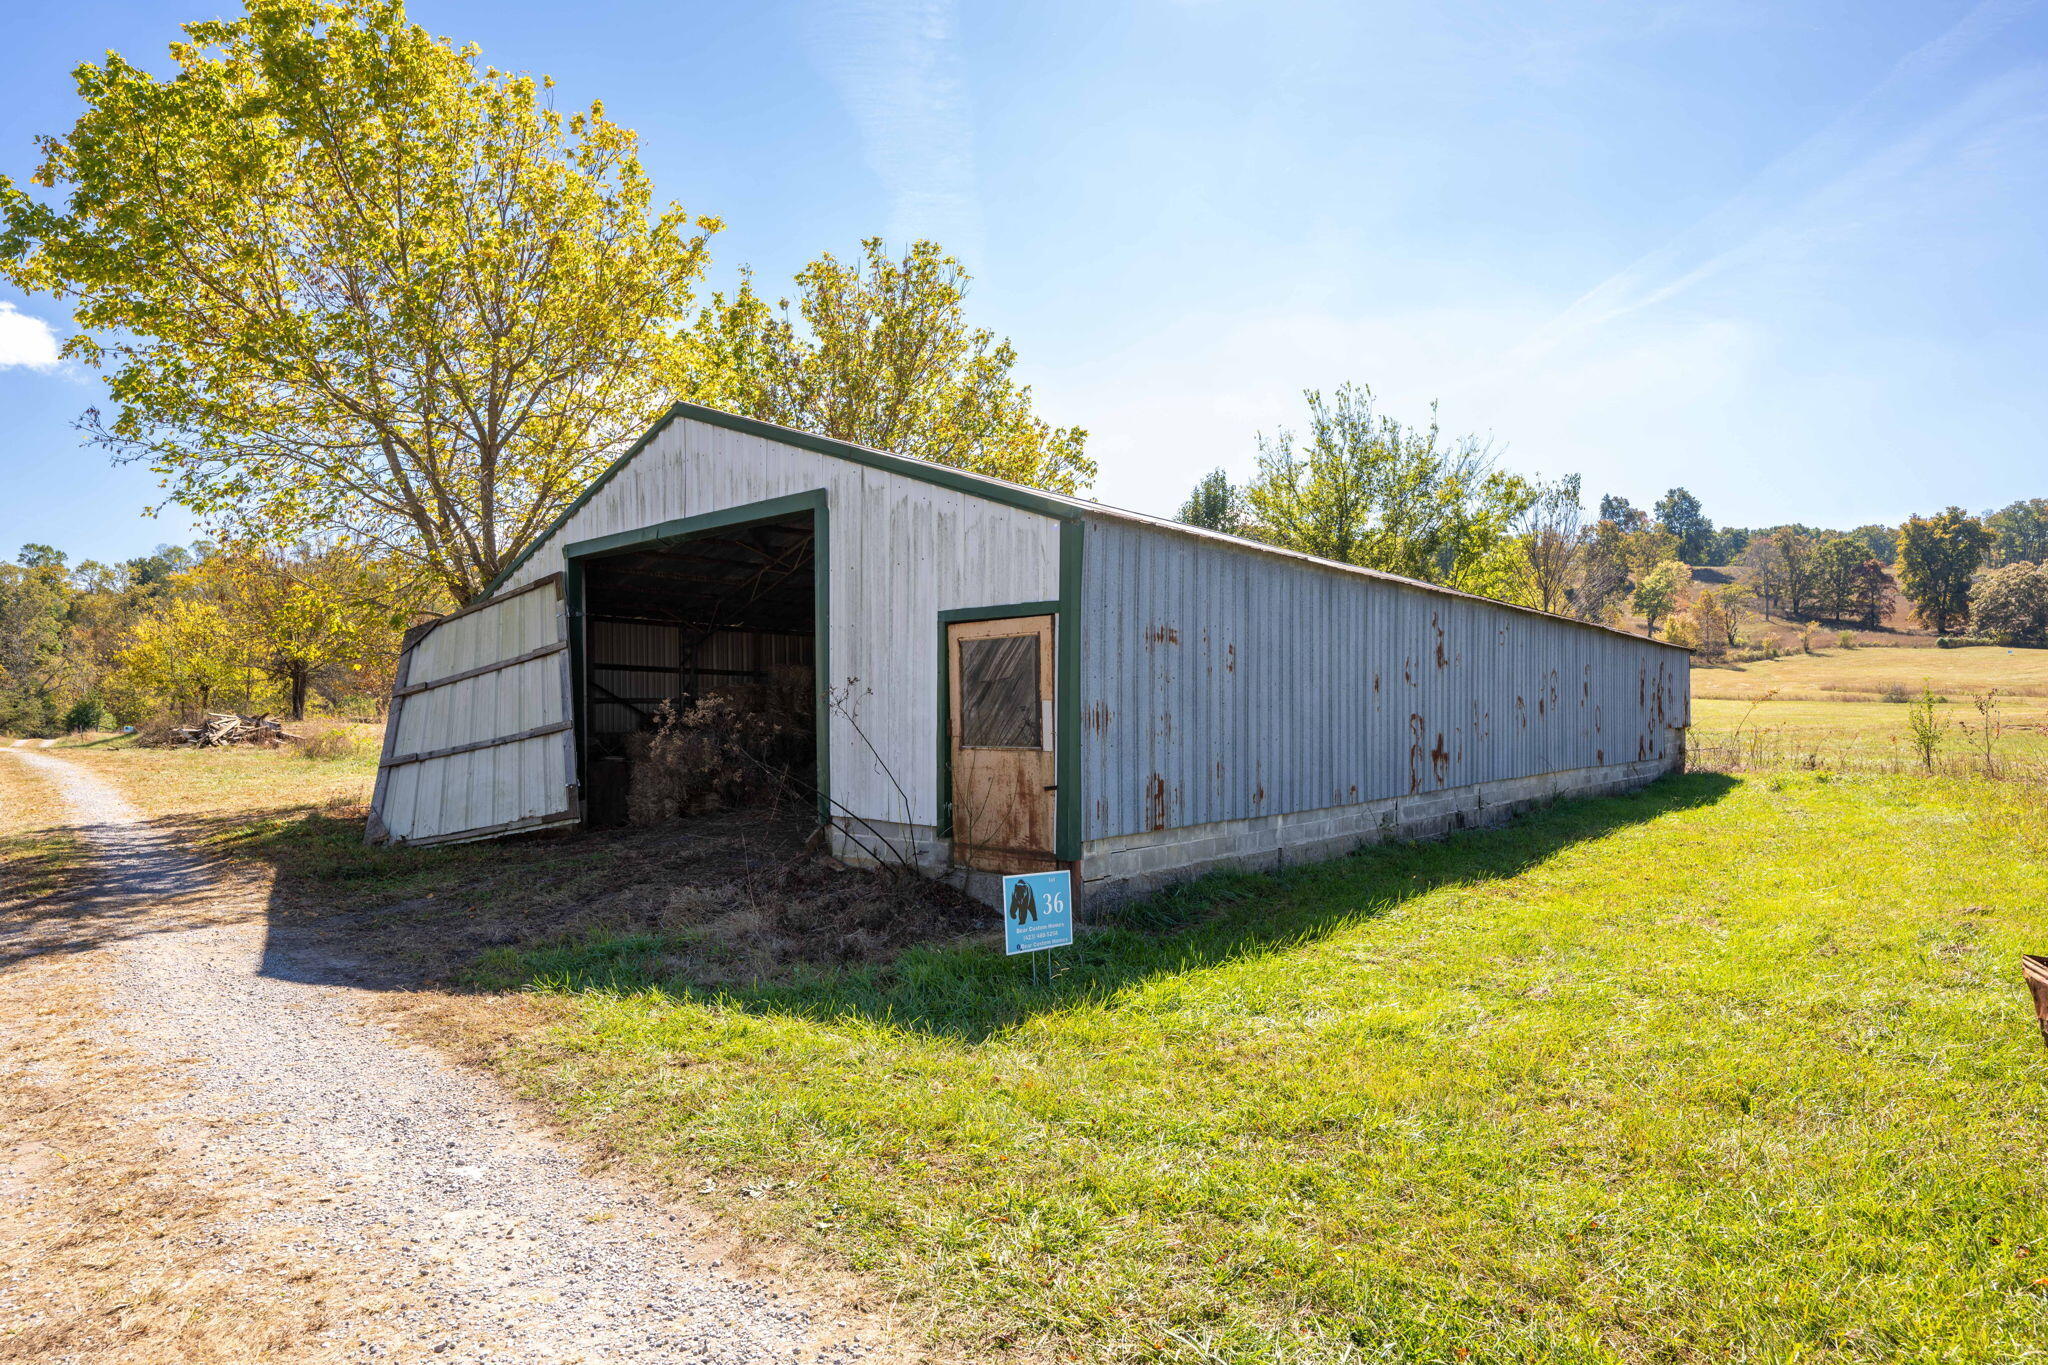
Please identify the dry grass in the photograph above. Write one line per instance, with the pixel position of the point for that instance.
(1867, 674)
(241, 777)
(43, 858)
(116, 1244)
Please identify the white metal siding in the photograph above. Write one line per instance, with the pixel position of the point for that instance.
(487, 788)
(1220, 683)
(900, 551)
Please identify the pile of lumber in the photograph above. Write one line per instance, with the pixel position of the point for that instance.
(221, 727)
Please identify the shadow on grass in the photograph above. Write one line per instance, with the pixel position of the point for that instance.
(970, 991)
(578, 912)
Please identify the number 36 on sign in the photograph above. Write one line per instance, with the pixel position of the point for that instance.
(1038, 912)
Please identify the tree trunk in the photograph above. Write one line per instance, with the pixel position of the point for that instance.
(298, 681)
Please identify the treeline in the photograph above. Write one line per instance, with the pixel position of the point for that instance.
(1361, 487)
(162, 637)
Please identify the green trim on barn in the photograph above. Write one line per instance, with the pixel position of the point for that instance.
(1067, 702)
(817, 503)
(960, 481)
(951, 616)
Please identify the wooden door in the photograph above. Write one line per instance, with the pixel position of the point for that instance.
(1001, 735)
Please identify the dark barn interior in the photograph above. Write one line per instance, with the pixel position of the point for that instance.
(727, 614)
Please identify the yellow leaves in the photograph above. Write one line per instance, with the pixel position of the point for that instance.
(354, 279)
(879, 352)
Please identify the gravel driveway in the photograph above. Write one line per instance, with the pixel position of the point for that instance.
(493, 1243)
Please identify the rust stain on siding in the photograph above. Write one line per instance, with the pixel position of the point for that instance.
(1436, 625)
(1230, 658)
(1417, 727)
(1161, 635)
(1155, 802)
(1440, 759)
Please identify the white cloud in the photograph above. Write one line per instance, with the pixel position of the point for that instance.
(897, 66)
(25, 340)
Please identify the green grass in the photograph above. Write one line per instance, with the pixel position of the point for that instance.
(1864, 733)
(1731, 1070)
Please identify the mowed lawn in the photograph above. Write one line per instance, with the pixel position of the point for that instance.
(1735, 1069)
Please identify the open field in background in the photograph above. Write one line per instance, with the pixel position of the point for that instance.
(241, 777)
(1863, 674)
(1822, 711)
(1818, 734)
(1736, 1068)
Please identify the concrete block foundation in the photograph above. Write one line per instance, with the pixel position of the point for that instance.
(1135, 865)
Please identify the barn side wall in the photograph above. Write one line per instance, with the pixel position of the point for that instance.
(1234, 703)
(899, 551)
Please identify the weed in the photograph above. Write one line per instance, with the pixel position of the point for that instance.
(1924, 727)
(329, 745)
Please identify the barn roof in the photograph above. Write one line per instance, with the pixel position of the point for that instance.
(1010, 494)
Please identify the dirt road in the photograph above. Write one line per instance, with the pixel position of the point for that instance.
(470, 1235)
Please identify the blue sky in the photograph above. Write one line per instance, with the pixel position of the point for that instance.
(1790, 255)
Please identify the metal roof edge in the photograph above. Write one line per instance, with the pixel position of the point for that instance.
(1227, 541)
(1057, 505)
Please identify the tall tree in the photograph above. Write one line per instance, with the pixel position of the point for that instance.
(34, 594)
(1837, 572)
(1617, 509)
(1780, 568)
(1679, 512)
(1553, 537)
(1881, 541)
(1660, 592)
(296, 614)
(2010, 603)
(1873, 595)
(1726, 545)
(879, 352)
(349, 278)
(1366, 489)
(183, 656)
(1215, 504)
(1938, 555)
(2019, 532)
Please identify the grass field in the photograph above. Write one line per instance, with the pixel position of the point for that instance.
(1731, 1070)
(1736, 1069)
(1864, 674)
(1822, 710)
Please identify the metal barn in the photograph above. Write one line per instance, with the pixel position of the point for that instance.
(1003, 679)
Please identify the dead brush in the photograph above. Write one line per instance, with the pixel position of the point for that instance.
(721, 751)
(328, 745)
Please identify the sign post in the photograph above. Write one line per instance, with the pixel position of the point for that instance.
(1038, 912)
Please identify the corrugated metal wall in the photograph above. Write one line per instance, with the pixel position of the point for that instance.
(505, 784)
(1222, 684)
(901, 550)
(637, 661)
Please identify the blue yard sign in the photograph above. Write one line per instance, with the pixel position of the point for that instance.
(1038, 912)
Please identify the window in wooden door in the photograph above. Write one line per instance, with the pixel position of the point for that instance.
(999, 693)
